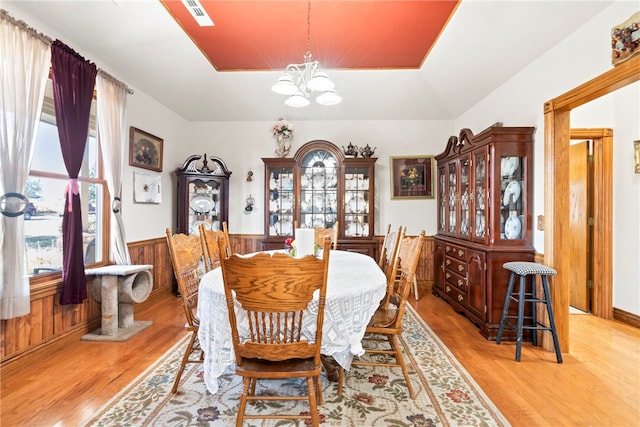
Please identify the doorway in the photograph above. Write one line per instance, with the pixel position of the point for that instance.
(592, 219)
(581, 225)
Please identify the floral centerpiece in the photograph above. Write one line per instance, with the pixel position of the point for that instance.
(290, 245)
(282, 131)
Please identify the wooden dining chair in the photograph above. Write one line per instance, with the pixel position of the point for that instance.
(209, 243)
(386, 324)
(382, 257)
(276, 291)
(332, 233)
(186, 254)
(389, 250)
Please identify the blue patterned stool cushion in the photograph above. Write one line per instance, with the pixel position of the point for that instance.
(523, 268)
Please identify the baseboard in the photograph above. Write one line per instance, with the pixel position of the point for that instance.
(626, 317)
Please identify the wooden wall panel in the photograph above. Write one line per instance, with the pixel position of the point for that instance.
(49, 321)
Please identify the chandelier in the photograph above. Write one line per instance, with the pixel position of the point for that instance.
(300, 81)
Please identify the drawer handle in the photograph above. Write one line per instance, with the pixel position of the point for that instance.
(448, 249)
(448, 275)
(460, 252)
(448, 262)
(460, 282)
(448, 289)
(460, 268)
(460, 297)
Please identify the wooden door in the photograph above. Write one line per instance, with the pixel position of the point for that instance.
(579, 217)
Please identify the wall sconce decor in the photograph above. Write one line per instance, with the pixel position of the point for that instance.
(636, 154)
(249, 204)
(250, 176)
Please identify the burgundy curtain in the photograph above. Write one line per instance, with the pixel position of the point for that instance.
(73, 83)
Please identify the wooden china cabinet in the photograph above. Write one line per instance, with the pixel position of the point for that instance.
(203, 193)
(318, 187)
(485, 218)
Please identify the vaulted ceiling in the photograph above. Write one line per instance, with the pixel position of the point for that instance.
(381, 54)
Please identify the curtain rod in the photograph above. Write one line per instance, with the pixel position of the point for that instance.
(46, 39)
(110, 77)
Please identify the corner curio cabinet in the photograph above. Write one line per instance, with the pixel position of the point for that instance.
(203, 193)
(485, 218)
(319, 187)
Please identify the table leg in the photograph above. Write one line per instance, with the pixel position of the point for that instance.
(330, 367)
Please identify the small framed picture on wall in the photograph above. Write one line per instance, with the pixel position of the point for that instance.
(412, 177)
(145, 150)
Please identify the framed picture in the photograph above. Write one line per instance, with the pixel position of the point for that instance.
(147, 188)
(625, 39)
(145, 150)
(412, 177)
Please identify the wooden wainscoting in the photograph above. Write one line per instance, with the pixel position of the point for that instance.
(49, 322)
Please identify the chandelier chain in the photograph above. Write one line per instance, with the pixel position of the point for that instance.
(309, 27)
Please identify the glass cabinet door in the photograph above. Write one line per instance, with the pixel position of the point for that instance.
(356, 201)
(511, 197)
(453, 194)
(442, 200)
(281, 201)
(480, 194)
(465, 198)
(318, 190)
(204, 204)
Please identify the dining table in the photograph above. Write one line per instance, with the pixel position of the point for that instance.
(355, 287)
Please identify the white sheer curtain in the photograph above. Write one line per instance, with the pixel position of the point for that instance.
(112, 109)
(24, 69)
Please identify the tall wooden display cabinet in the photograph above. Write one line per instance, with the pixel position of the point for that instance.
(485, 218)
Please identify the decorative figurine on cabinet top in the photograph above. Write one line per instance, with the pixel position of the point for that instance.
(351, 150)
(367, 151)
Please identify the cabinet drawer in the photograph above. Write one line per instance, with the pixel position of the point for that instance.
(455, 265)
(454, 251)
(455, 294)
(455, 280)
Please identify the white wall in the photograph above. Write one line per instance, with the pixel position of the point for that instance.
(519, 102)
(242, 145)
(148, 221)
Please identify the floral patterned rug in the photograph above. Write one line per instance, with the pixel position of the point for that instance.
(372, 396)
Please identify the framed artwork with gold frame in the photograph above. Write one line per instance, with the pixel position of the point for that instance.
(145, 150)
(412, 177)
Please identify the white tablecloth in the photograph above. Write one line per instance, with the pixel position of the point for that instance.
(355, 287)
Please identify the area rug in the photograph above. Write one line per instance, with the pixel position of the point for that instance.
(372, 396)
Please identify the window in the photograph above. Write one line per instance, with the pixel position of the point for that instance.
(45, 190)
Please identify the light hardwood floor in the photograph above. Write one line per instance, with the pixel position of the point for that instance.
(598, 383)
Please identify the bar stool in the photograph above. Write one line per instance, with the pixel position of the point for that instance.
(523, 269)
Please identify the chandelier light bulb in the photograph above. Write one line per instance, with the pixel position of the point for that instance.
(320, 82)
(329, 97)
(285, 86)
(297, 101)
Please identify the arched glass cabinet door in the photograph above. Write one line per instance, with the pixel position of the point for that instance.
(318, 189)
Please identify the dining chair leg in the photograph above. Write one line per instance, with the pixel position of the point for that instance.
(242, 406)
(185, 360)
(313, 402)
(318, 383)
(395, 343)
(340, 380)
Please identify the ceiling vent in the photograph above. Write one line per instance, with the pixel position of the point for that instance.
(197, 11)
